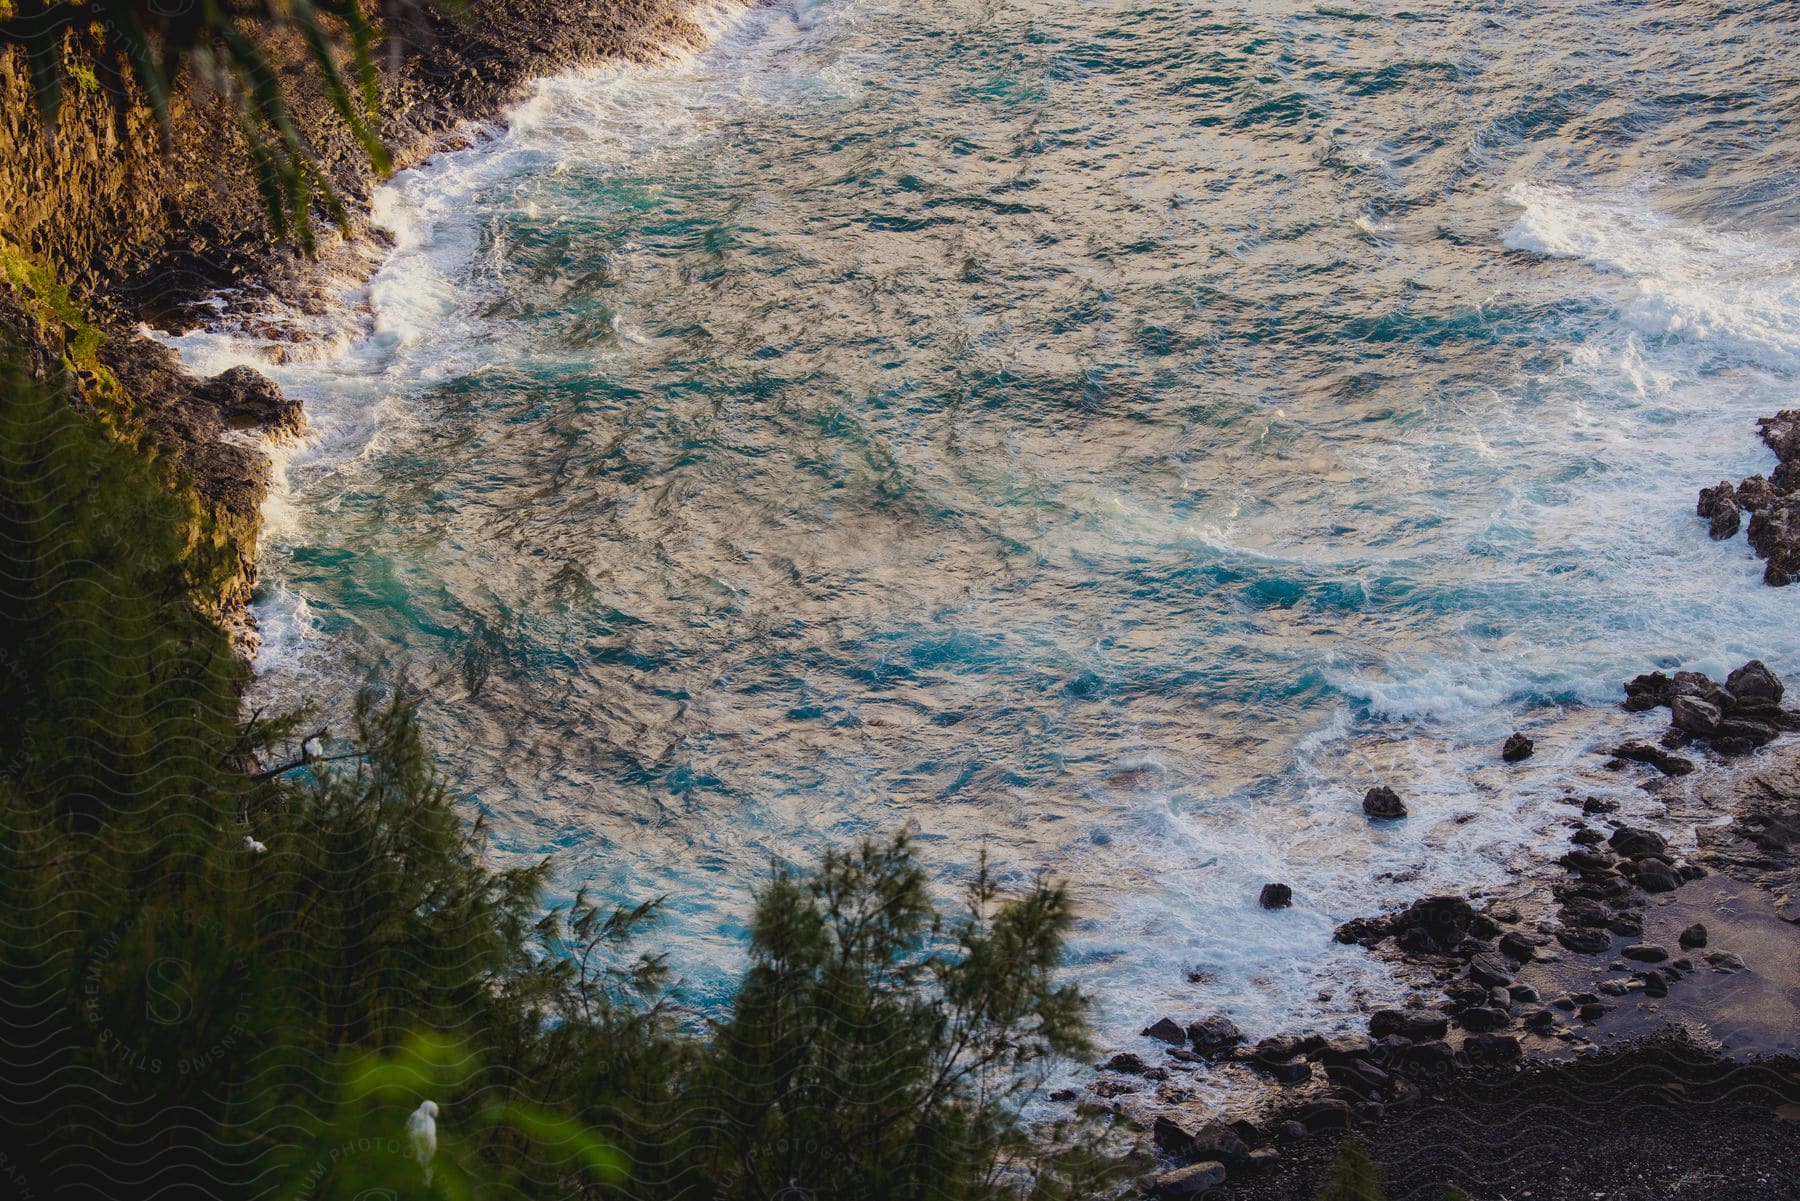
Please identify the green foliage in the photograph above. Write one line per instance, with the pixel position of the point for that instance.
(1354, 1176)
(273, 1014)
(59, 317)
(1452, 1193)
(113, 43)
(875, 1049)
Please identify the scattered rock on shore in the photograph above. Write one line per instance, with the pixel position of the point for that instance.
(1773, 503)
(1165, 1030)
(1214, 1035)
(1276, 896)
(1517, 747)
(1720, 506)
(1735, 717)
(1383, 802)
(1416, 1024)
(1655, 756)
(1195, 1180)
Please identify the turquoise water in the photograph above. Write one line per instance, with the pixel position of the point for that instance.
(1114, 435)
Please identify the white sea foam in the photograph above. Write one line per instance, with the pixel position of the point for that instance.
(417, 317)
(1691, 281)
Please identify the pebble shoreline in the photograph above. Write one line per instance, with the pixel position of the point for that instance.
(1608, 963)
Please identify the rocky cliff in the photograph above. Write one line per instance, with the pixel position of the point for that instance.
(111, 221)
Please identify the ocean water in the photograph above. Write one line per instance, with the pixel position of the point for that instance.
(1113, 435)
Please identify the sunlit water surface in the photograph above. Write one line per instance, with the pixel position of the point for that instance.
(1115, 435)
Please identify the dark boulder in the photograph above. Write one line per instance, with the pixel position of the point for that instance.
(1276, 896)
(1368, 931)
(1126, 1062)
(1775, 536)
(1695, 716)
(1464, 993)
(1720, 507)
(1434, 1059)
(1588, 861)
(247, 399)
(1656, 876)
(1699, 684)
(1709, 497)
(1213, 1141)
(1195, 1180)
(1408, 1023)
(1492, 1048)
(1744, 729)
(1484, 1017)
(1166, 1030)
(1586, 912)
(1585, 942)
(1490, 971)
(1781, 433)
(1220, 1143)
(1286, 1071)
(1344, 1047)
(1214, 1035)
(1440, 915)
(1518, 945)
(1727, 519)
(1756, 494)
(1383, 803)
(1634, 842)
(1663, 761)
(1645, 952)
(1647, 691)
(1755, 682)
(1693, 936)
(1361, 1079)
(1517, 747)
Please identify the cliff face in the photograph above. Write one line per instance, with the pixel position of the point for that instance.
(136, 224)
(120, 213)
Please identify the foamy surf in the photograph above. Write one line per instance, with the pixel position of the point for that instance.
(832, 429)
(1714, 287)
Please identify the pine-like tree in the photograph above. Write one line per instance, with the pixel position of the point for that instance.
(1354, 1176)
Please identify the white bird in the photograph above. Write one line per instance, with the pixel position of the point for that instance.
(253, 846)
(421, 1128)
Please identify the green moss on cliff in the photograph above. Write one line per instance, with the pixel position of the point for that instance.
(61, 322)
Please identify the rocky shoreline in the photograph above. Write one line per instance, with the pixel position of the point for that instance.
(1531, 1058)
(147, 233)
(1646, 966)
(1773, 503)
